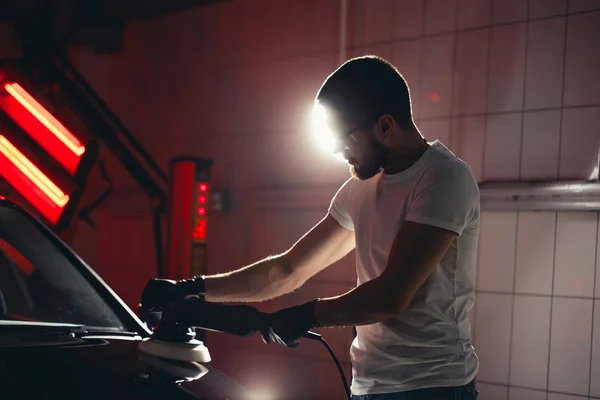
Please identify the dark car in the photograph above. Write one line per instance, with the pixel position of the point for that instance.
(64, 334)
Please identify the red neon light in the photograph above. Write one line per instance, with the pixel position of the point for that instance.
(57, 140)
(201, 211)
(202, 199)
(203, 187)
(30, 182)
(200, 230)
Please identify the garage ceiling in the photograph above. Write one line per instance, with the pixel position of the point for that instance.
(121, 9)
(99, 23)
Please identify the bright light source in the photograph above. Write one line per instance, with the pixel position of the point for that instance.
(45, 118)
(321, 129)
(30, 182)
(36, 176)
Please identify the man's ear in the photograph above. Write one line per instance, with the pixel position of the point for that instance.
(384, 128)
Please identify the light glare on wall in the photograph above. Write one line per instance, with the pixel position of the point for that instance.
(323, 136)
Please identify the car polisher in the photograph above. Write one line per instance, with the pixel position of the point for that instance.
(171, 339)
(175, 337)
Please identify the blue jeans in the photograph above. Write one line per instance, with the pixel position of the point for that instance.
(466, 392)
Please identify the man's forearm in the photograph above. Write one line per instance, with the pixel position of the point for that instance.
(367, 304)
(263, 280)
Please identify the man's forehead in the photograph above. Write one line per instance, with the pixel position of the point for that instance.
(336, 121)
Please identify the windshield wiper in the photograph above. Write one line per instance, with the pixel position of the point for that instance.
(82, 332)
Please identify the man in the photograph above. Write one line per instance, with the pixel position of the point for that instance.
(411, 213)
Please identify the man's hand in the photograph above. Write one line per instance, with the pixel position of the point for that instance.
(241, 320)
(288, 325)
(160, 293)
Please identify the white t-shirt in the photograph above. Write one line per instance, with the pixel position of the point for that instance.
(428, 344)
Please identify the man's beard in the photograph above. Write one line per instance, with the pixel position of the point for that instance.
(377, 159)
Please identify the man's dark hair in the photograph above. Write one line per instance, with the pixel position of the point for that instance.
(366, 87)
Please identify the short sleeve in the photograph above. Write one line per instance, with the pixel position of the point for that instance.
(447, 196)
(339, 208)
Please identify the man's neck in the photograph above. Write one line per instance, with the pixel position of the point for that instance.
(402, 160)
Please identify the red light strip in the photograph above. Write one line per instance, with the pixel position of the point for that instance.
(42, 115)
(34, 175)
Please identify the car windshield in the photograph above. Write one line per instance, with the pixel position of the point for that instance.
(39, 284)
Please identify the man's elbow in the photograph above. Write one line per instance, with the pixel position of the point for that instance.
(285, 275)
(395, 304)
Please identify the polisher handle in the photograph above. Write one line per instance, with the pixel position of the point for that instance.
(241, 320)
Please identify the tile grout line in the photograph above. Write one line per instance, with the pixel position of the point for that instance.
(539, 295)
(487, 90)
(421, 57)
(522, 112)
(562, 96)
(523, 101)
(594, 306)
(513, 299)
(551, 304)
(454, 73)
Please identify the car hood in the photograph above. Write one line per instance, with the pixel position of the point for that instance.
(111, 368)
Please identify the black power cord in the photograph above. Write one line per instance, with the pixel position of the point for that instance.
(316, 336)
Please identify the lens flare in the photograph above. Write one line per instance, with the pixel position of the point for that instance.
(323, 136)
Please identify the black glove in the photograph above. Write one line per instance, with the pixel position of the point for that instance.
(242, 320)
(288, 325)
(160, 293)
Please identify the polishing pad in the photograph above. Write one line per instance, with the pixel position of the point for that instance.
(192, 350)
(181, 371)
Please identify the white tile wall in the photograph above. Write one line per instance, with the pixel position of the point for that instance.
(471, 73)
(560, 396)
(547, 8)
(595, 371)
(541, 145)
(440, 16)
(597, 287)
(408, 17)
(526, 394)
(507, 68)
(509, 11)
(492, 392)
(579, 150)
(493, 327)
(582, 73)
(575, 254)
(406, 56)
(503, 147)
(468, 137)
(379, 24)
(530, 341)
(436, 78)
(545, 54)
(570, 346)
(535, 252)
(496, 264)
(474, 13)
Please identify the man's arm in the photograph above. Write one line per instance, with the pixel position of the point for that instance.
(324, 244)
(416, 251)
